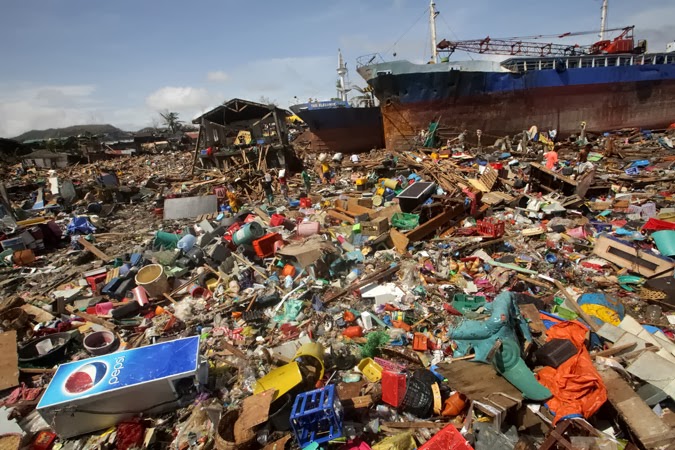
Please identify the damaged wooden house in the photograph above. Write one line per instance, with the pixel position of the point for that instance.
(240, 134)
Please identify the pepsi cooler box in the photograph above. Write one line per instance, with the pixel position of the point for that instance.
(97, 393)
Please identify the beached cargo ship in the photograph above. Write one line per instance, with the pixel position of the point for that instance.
(340, 125)
(609, 85)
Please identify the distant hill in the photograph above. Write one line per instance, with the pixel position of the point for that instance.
(109, 131)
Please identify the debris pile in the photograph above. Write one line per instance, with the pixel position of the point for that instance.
(511, 296)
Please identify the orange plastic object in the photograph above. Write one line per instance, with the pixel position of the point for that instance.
(576, 386)
(420, 342)
(454, 405)
(352, 332)
(401, 324)
(289, 269)
(349, 316)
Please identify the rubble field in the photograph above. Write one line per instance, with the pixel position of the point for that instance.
(512, 296)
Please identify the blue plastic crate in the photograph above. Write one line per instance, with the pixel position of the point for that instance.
(317, 416)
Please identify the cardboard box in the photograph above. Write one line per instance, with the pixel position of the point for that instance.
(97, 393)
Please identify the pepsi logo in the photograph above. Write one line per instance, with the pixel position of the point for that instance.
(86, 377)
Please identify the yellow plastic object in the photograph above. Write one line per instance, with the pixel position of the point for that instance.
(212, 284)
(312, 350)
(282, 379)
(361, 181)
(401, 441)
(602, 312)
(371, 370)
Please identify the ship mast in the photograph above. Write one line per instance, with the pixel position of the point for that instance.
(603, 19)
(342, 78)
(432, 25)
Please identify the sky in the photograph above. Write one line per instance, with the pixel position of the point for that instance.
(71, 62)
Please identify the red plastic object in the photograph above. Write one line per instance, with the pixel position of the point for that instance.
(393, 388)
(94, 280)
(277, 220)
(491, 228)
(289, 269)
(305, 202)
(420, 342)
(352, 332)
(449, 438)
(43, 441)
(264, 246)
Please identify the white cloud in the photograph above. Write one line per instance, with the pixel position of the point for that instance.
(178, 98)
(217, 76)
(24, 107)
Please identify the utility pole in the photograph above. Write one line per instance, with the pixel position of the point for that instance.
(432, 25)
(603, 19)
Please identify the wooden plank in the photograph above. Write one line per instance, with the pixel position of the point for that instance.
(339, 216)
(645, 425)
(531, 313)
(480, 382)
(9, 360)
(432, 224)
(92, 249)
(400, 241)
(90, 317)
(354, 207)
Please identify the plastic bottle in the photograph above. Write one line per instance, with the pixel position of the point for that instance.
(186, 242)
(353, 275)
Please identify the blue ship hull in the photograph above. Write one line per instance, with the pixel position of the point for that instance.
(501, 102)
(343, 129)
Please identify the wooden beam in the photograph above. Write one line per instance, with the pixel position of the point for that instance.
(92, 249)
(433, 224)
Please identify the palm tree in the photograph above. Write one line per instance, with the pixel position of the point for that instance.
(171, 121)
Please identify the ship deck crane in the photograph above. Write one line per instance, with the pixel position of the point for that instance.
(517, 47)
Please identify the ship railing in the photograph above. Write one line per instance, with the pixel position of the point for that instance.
(367, 60)
(576, 62)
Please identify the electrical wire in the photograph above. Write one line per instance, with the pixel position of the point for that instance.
(453, 33)
(406, 32)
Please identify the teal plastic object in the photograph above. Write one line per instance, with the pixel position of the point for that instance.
(464, 303)
(504, 324)
(665, 242)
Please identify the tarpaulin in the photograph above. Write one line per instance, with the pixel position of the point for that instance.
(577, 387)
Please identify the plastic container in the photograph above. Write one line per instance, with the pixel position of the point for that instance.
(55, 343)
(248, 233)
(420, 342)
(308, 228)
(665, 241)
(104, 308)
(13, 244)
(305, 202)
(555, 352)
(419, 398)
(280, 413)
(23, 257)
(491, 228)
(186, 242)
(393, 388)
(277, 220)
(100, 343)
(449, 438)
(370, 369)
(264, 246)
(317, 416)
(153, 279)
(391, 183)
(166, 240)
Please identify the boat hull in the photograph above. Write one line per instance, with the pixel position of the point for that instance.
(345, 130)
(501, 104)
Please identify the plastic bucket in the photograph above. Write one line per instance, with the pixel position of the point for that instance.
(153, 279)
(166, 240)
(100, 343)
(308, 228)
(280, 413)
(391, 183)
(665, 242)
(248, 233)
